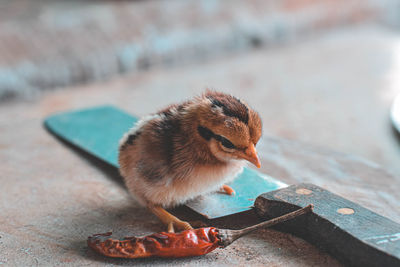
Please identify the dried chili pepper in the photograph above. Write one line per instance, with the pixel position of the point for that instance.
(187, 243)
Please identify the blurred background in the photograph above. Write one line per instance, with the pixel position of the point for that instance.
(320, 72)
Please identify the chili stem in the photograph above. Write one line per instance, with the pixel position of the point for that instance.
(228, 236)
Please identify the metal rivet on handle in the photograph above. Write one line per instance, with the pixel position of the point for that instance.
(345, 211)
(303, 191)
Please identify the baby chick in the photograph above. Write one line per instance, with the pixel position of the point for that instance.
(187, 150)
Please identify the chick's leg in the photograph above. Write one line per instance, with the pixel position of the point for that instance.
(228, 190)
(170, 220)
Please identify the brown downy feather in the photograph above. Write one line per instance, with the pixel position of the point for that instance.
(181, 152)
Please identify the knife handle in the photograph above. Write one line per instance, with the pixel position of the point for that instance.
(354, 235)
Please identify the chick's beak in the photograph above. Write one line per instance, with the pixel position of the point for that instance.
(250, 154)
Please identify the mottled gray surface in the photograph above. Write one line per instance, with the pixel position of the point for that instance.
(333, 91)
(51, 44)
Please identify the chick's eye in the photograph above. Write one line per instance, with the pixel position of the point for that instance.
(226, 143)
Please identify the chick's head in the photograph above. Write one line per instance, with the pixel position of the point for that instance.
(230, 128)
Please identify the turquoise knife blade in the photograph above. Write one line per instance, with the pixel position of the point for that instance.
(98, 130)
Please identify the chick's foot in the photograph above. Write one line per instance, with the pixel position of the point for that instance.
(228, 190)
(178, 226)
(172, 222)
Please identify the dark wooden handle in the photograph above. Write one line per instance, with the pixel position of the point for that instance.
(352, 234)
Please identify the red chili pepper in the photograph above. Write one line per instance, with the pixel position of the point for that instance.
(168, 245)
(188, 243)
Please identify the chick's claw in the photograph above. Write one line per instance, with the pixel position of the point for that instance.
(178, 226)
(228, 190)
(173, 223)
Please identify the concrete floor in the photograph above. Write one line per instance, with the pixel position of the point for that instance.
(333, 91)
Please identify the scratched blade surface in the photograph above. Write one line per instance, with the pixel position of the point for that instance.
(98, 130)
